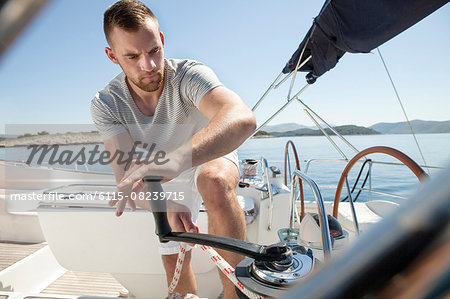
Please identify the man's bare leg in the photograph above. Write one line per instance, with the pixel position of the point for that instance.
(217, 183)
(187, 283)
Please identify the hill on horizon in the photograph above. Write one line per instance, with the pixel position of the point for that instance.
(343, 130)
(419, 126)
(285, 127)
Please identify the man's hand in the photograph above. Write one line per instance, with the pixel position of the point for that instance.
(123, 193)
(131, 185)
(180, 221)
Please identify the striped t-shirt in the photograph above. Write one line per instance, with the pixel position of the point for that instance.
(176, 118)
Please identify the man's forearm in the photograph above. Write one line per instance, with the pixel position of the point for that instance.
(120, 143)
(222, 136)
(230, 123)
(225, 133)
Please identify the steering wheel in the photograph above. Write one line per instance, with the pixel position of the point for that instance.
(410, 163)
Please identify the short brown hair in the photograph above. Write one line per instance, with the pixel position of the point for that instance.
(129, 15)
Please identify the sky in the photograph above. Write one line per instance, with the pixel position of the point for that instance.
(52, 71)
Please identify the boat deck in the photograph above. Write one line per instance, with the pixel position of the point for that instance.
(71, 283)
(85, 284)
(12, 252)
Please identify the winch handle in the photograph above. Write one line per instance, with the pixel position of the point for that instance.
(275, 252)
(158, 207)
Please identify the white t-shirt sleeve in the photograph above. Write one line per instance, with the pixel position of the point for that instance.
(197, 82)
(105, 120)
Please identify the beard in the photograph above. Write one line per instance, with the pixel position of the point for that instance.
(151, 86)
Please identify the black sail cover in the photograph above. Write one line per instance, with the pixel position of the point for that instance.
(356, 26)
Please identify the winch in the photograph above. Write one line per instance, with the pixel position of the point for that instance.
(273, 278)
(267, 270)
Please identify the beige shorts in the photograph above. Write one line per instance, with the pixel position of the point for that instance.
(186, 185)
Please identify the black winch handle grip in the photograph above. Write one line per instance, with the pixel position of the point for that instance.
(276, 252)
(158, 206)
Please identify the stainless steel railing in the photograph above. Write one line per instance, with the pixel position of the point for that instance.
(323, 220)
(265, 175)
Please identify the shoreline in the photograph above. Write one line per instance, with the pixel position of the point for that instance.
(84, 138)
(54, 139)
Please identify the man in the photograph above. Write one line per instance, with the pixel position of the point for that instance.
(167, 100)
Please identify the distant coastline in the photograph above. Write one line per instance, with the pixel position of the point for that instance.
(54, 139)
(281, 130)
(419, 127)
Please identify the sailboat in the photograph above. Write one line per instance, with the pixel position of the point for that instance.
(364, 259)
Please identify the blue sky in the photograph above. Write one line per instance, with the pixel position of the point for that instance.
(52, 71)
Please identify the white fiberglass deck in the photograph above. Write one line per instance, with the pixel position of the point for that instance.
(70, 283)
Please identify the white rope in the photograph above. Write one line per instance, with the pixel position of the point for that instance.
(228, 271)
(223, 265)
(178, 267)
(180, 296)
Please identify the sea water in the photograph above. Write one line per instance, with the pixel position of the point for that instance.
(319, 151)
(315, 153)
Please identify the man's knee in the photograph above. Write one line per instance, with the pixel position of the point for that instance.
(217, 184)
(214, 182)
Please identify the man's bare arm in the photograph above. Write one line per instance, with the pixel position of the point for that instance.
(123, 143)
(231, 123)
(179, 221)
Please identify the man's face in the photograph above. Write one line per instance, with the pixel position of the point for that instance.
(140, 55)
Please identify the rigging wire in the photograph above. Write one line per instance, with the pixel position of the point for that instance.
(404, 111)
